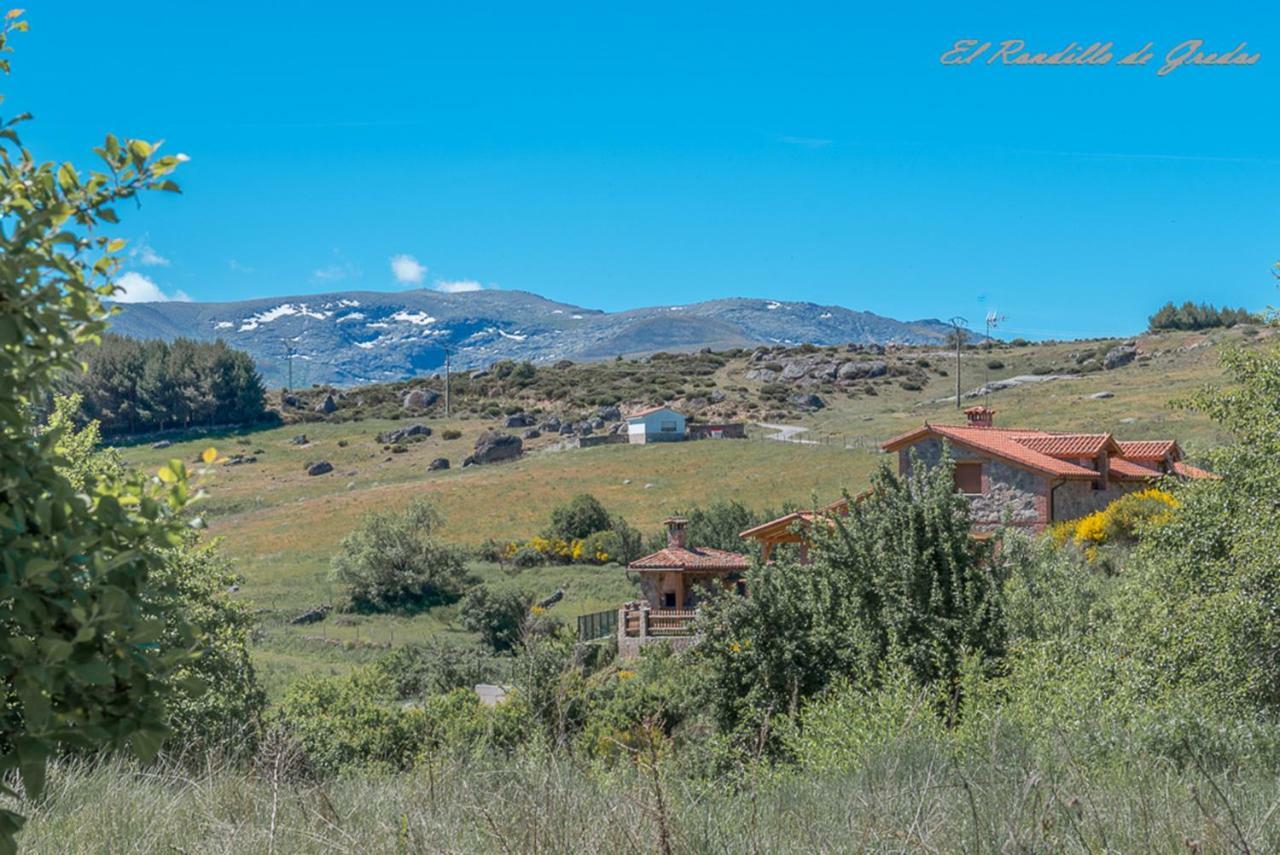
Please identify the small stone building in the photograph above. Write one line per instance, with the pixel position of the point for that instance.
(1033, 478)
(656, 424)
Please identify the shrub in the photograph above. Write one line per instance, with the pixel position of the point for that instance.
(435, 667)
(1118, 523)
(580, 517)
(994, 364)
(497, 615)
(395, 560)
(450, 433)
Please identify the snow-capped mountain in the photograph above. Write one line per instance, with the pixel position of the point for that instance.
(363, 336)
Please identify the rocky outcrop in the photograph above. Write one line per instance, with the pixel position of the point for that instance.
(438, 464)
(314, 615)
(1120, 355)
(494, 447)
(300, 439)
(808, 402)
(320, 467)
(327, 406)
(419, 399)
(413, 432)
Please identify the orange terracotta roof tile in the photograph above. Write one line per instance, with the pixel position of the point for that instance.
(1186, 470)
(691, 558)
(1149, 449)
(1070, 444)
(1127, 470)
(1004, 443)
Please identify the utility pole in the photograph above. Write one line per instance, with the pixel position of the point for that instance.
(959, 336)
(289, 351)
(446, 381)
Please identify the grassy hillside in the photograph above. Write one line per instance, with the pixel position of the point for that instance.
(281, 526)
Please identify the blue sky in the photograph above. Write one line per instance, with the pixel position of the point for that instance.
(658, 153)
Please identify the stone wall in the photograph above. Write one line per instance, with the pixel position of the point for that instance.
(1012, 495)
(1075, 499)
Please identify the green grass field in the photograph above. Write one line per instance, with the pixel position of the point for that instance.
(280, 526)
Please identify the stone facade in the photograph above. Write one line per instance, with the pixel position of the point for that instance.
(1016, 496)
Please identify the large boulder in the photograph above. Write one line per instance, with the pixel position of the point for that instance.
(419, 399)
(611, 414)
(438, 464)
(531, 433)
(794, 370)
(493, 447)
(320, 467)
(551, 425)
(862, 370)
(290, 401)
(412, 432)
(1119, 355)
(808, 402)
(164, 443)
(327, 406)
(518, 420)
(762, 375)
(300, 439)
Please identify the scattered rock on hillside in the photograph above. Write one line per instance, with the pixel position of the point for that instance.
(438, 464)
(240, 459)
(1098, 396)
(762, 375)
(493, 447)
(551, 425)
(716, 397)
(597, 424)
(611, 414)
(312, 615)
(1120, 355)
(531, 433)
(320, 467)
(399, 435)
(518, 420)
(290, 401)
(808, 402)
(566, 429)
(419, 399)
(862, 370)
(164, 443)
(300, 439)
(550, 601)
(328, 405)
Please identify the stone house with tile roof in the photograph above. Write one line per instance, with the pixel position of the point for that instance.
(1033, 478)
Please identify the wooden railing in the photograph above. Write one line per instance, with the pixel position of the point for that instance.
(641, 621)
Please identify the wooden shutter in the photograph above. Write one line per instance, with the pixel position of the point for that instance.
(969, 477)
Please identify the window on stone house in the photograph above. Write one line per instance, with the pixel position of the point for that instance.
(969, 478)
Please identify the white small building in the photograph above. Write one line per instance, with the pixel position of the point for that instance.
(656, 424)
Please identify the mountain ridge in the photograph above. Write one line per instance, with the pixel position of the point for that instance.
(354, 337)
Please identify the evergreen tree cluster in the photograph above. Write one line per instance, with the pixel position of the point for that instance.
(135, 386)
(1198, 316)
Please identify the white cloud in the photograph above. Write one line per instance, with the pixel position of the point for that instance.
(145, 254)
(336, 272)
(457, 286)
(407, 270)
(237, 267)
(136, 288)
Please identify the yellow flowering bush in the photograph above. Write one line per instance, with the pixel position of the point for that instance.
(1118, 522)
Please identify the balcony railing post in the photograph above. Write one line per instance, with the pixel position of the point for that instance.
(644, 621)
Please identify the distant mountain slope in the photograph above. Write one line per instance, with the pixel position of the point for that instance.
(364, 336)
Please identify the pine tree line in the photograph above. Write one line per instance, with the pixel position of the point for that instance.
(1201, 316)
(136, 386)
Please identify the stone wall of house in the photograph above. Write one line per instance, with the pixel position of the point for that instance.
(1013, 495)
(1075, 499)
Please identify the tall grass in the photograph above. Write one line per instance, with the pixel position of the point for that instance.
(915, 795)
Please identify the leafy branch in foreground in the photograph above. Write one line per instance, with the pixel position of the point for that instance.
(81, 664)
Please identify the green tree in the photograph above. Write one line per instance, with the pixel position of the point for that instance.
(899, 584)
(499, 616)
(396, 560)
(79, 664)
(579, 518)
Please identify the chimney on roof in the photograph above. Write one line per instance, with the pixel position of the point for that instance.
(675, 531)
(980, 416)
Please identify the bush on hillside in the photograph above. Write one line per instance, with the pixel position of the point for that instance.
(1118, 523)
(395, 560)
(579, 518)
(498, 616)
(435, 667)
